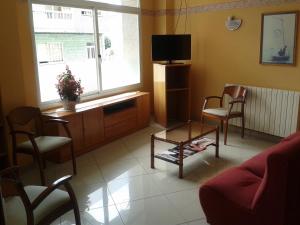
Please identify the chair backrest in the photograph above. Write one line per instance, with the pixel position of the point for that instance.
(235, 92)
(10, 177)
(24, 118)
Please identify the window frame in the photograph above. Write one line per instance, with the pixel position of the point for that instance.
(94, 6)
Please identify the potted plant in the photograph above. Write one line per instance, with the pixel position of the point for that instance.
(69, 89)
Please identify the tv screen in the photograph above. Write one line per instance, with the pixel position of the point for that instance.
(171, 47)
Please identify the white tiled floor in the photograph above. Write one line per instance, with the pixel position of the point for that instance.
(115, 184)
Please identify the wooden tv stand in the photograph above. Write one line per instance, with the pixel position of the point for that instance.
(101, 121)
(172, 93)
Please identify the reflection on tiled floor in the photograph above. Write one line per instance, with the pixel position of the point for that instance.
(115, 184)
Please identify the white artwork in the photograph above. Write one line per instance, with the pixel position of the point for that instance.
(278, 40)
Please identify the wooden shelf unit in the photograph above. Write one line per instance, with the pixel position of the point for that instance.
(172, 93)
(101, 121)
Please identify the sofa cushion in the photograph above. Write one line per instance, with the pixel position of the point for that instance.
(292, 136)
(257, 164)
(236, 184)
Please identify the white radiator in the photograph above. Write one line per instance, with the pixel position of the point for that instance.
(270, 111)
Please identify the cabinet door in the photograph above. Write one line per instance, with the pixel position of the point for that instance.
(93, 127)
(143, 110)
(76, 129)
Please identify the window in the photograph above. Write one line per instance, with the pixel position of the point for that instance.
(91, 51)
(101, 47)
(57, 12)
(50, 52)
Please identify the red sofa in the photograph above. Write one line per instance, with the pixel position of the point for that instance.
(264, 190)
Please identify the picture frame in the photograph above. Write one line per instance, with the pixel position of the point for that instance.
(278, 42)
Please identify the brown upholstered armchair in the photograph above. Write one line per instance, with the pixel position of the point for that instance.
(28, 122)
(36, 205)
(238, 96)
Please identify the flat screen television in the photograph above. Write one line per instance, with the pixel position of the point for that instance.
(171, 47)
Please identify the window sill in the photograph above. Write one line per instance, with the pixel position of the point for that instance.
(104, 94)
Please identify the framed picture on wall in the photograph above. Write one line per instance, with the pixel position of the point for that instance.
(278, 38)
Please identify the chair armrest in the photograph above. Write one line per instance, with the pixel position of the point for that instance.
(62, 181)
(211, 97)
(56, 121)
(30, 136)
(62, 122)
(28, 133)
(231, 103)
(237, 101)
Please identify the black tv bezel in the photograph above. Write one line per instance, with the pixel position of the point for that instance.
(172, 58)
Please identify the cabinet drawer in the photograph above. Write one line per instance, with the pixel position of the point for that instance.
(118, 117)
(121, 127)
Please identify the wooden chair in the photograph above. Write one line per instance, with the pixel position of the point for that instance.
(36, 205)
(238, 95)
(28, 122)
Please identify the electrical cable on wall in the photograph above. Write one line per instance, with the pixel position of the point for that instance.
(178, 18)
(186, 16)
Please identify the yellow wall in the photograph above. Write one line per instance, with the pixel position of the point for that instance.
(163, 24)
(147, 29)
(12, 82)
(220, 56)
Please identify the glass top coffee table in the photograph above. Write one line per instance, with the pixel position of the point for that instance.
(188, 138)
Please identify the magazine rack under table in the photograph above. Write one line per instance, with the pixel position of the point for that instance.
(182, 136)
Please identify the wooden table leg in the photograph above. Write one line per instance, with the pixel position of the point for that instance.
(217, 142)
(180, 175)
(152, 151)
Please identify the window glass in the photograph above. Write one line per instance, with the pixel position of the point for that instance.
(119, 46)
(64, 36)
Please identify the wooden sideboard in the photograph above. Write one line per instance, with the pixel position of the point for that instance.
(101, 121)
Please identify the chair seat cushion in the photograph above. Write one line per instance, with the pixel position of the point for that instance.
(45, 143)
(217, 111)
(235, 185)
(220, 112)
(15, 210)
